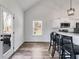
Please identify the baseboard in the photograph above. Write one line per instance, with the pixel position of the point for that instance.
(37, 41)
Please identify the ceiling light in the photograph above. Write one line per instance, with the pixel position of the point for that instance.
(70, 11)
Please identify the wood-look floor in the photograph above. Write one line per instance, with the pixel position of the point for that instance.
(33, 51)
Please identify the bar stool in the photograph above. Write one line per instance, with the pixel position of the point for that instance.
(51, 40)
(69, 48)
(58, 44)
(52, 44)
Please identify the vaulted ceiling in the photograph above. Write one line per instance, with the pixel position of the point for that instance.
(26, 4)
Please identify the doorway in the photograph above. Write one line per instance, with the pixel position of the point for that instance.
(6, 33)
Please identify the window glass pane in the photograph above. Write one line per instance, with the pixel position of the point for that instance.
(7, 19)
(37, 27)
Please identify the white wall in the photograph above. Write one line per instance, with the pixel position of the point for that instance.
(18, 22)
(38, 12)
(48, 11)
(56, 24)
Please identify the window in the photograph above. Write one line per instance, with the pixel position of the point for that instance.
(7, 22)
(37, 28)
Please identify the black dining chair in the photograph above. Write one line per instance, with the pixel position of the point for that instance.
(58, 44)
(51, 40)
(52, 43)
(69, 49)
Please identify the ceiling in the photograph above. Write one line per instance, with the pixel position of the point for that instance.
(26, 4)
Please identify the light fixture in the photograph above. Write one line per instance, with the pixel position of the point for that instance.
(70, 11)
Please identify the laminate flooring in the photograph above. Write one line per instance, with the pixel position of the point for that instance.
(33, 51)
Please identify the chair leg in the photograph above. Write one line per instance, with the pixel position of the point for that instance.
(75, 56)
(50, 45)
(63, 54)
(72, 56)
(53, 49)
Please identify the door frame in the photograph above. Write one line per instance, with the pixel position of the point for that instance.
(10, 51)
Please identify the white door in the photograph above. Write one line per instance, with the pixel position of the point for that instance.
(7, 29)
(1, 42)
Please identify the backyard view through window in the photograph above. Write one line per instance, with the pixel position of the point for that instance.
(37, 28)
